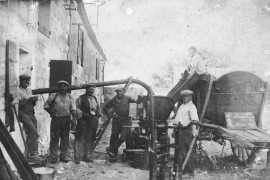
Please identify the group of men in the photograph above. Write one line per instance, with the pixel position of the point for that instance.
(85, 112)
(66, 113)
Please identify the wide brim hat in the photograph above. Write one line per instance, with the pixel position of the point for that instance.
(63, 82)
(186, 93)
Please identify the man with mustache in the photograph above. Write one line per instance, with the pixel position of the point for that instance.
(61, 107)
(24, 101)
(88, 113)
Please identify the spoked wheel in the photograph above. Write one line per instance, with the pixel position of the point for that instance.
(242, 155)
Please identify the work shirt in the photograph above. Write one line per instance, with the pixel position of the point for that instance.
(187, 113)
(60, 104)
(21, 98)
(121, 106)
(197, 62)
(21, 94)
(94, 106)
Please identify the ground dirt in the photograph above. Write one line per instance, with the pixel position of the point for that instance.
(101, 168)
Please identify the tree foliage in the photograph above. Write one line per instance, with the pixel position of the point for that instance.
(215, 59)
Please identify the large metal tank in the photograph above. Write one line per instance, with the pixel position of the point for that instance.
(163, 107)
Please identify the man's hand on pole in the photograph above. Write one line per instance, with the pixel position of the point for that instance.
(195, 132)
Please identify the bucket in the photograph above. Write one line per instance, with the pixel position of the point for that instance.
(45, 173)
(139, 159)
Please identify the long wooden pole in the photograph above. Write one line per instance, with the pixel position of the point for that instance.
(82, 86)
(24, 142)
(201, 118)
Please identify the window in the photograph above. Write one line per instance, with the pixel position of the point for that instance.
(44, 14)
(80, 46)
(97, 69)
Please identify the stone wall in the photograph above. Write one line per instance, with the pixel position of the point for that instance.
(33, 51)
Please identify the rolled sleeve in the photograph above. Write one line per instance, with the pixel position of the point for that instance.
(17, 98)
(98, 109)
(72, 104)
(78, 105)
(193, 113)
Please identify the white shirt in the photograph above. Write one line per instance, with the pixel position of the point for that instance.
(21, 94)
(187, 113)
(197, 62)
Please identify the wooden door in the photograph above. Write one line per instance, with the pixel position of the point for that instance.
(60, 70)
(11, 78)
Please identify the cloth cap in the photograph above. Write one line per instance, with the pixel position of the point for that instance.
(25, 76)
(186, 92)
(63, 82)
(119, 89)
(90, 85)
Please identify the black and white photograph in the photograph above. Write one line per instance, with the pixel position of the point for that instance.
(134, 89)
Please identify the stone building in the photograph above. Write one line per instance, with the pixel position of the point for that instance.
(51, 40)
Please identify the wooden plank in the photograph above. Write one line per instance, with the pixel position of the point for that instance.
(253, 135)
(262, 145)
(15, 154)
(230, 135)
(260, 135)
(183, 84)
(245, 135)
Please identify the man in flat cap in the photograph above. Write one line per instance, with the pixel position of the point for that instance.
(24, 101)
(187, 113)
(121, 105)
(62, 109)
(88, 113)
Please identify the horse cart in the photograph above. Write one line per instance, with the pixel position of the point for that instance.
(230, 108)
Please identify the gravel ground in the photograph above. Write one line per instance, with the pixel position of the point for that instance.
(101, 168)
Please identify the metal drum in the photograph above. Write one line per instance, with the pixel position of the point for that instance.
(139, 159)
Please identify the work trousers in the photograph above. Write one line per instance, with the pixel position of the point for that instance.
(85, 137)
(30, 125)
(119, 133)
(185, 138)
(60, 127)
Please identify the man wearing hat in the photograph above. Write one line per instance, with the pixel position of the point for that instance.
(88, 113)
(61, 106)
(24, 101)
(121, 105)
(187, 113)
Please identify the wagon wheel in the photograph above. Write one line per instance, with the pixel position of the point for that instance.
(242, 155)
